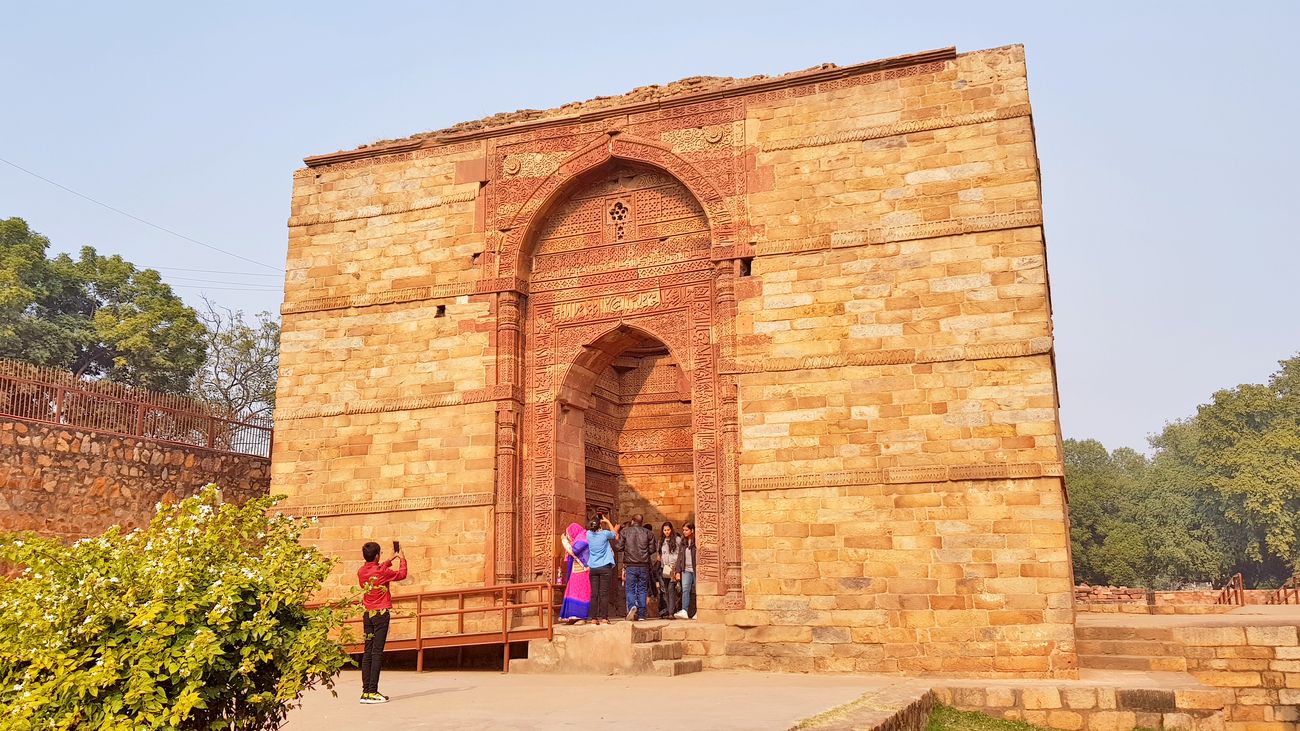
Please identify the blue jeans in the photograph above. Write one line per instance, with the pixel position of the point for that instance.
(638, 582)
(688, 592)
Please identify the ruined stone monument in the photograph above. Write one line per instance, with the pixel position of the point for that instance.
(809, 312)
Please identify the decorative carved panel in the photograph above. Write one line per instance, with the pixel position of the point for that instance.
(627, 229)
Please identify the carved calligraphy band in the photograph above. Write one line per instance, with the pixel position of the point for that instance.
(909, 475)
(398, 505)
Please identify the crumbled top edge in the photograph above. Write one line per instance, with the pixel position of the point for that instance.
(639, 95)
(652, 93)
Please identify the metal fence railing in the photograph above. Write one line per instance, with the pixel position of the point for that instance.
(33, 394)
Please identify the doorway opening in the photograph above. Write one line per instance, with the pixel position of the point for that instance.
(625, 438)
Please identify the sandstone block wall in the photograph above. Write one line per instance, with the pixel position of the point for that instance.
(74, 483)
(846, 266)
(1259, 664)
(1080, 707)
(958, 577)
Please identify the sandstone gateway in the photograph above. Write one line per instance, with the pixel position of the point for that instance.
(808, 312)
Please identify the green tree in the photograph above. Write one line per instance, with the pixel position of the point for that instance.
(97, 316)
(1247, 451)
(243, 361)
(1134, 522)
(195, 622)
(1220, 495)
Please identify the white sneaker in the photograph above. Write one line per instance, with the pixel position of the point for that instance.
(631, 614)
(681, 615)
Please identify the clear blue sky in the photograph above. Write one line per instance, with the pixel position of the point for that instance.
(1167, 134)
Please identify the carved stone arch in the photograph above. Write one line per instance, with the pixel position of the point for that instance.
(520, 234)
(596, 356)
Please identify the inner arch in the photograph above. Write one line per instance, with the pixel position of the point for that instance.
(624, 438)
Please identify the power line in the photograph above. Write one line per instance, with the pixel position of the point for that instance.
(134, 217)
(225, 289)
(214, 271)
(171, 277)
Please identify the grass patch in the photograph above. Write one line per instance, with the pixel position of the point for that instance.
(944, 718)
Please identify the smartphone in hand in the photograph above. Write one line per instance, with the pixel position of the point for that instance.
(397, 546)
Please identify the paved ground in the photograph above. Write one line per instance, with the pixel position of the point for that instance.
(469, 701)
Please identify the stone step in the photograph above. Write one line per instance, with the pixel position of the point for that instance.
(677, 667)
(1129, 647)
(642, 633)
(1103, 632)
(651, 651)
(1133, 662)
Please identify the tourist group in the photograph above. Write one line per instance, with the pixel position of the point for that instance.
(657, 569)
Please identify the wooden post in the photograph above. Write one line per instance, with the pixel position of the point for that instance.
(139, 421)
(419, 636)
(505, 632)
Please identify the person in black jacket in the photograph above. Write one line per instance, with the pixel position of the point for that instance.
(637, 545)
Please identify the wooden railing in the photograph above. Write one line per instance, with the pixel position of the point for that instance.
(525, 612)
(118, 412)
(1233, 593)
(1290, 590)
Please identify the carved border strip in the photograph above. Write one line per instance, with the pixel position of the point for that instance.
(389, 297)
(980, 351)
(500, 392)
(390, 209)
(909, 475)
(909, 232)
(397, 505)
(898, 128)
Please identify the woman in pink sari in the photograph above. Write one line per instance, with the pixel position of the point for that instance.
(577, 595)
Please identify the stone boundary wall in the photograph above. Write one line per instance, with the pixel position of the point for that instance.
(72, 483)
(1137, 600)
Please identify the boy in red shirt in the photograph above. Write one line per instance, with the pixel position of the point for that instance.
(375, 578)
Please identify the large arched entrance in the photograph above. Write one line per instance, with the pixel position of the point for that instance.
(620, 375)
(623, 443)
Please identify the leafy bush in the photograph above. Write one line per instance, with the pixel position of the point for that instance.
(196, 622)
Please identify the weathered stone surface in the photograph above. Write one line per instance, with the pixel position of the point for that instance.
(72, 483)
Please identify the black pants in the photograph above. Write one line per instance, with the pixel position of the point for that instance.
(375, 625)
(601, 580)
(668, 591)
